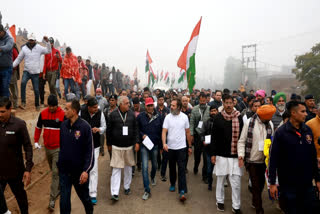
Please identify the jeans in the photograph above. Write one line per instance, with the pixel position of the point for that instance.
(145, 153)
(67, 83)
(164, 163)
(198, 151)
(17, 187)
(83, 88)
(66, 182)
(297, 199)
(210, 167)
(110, 88)
(5, 77)
(14, 89)
(178, 157)
(35, 84)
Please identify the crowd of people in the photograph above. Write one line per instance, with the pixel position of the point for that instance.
(274, 139)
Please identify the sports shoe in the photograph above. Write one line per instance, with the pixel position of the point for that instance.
(182, 197)
(127, 191)
(8, 212)
(115, 198)
(94, 200)
(220, 207)
(172, 188)
(146, 195)
(236, 211)
(51, 205)
(210, 187)
(42, 106)
(153, 182)
(163, 178)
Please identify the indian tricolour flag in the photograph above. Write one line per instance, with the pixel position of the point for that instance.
(182, 76)
(148, 61)
(187, 59)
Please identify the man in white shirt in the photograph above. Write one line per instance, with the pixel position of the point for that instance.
(176, 125)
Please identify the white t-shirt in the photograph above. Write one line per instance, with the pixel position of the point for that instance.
(176, 125)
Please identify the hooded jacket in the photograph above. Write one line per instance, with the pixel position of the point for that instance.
(6, 45)
(31, 56)
(70, 67)
(51, 62)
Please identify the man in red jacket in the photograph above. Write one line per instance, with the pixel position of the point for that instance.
(51, 66)
(51, 119)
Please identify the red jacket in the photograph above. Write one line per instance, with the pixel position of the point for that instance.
(51, 123)
(51, 62)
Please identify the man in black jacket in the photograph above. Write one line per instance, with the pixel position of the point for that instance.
(93, 115)
(76, 158)
(293, 158)
(227, 127)
(123, 135)
(13, 136)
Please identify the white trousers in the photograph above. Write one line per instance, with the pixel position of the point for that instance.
(89, 85)
(235, 181)
(116, 179)
(93, 179)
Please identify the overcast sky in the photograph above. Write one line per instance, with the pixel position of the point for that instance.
(120, 32)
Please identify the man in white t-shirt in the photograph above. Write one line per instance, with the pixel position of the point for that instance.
(176, 125)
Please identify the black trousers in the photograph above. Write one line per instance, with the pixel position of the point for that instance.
(3, 203)
(42, 83)
(256, 173)
(17, 187)
(178, 157)
(198, 151)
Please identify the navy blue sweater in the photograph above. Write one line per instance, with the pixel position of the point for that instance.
(151, 128)
(76, 147)
(293, 156)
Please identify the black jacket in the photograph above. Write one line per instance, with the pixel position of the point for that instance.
(293, 157)
(115, 126)
(207, 130)
(94, 122)
(221, 137)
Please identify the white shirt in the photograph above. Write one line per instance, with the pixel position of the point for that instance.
(176, 125)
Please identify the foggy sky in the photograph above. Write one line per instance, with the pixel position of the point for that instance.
(120, 32)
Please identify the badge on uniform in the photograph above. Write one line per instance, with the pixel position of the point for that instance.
(77, 134)
(10, 132)
(57, 120)
(309, 138)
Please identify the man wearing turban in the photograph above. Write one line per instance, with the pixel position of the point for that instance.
(250, 150)
(260, 95)
(279, 101)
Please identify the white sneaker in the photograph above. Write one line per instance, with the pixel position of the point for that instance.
(8, 212)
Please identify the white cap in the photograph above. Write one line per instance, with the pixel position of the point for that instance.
(31, 37)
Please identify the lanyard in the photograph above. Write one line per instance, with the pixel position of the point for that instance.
(201, 114)
(125, 117)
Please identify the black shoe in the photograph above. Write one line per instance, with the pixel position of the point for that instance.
(195, 171)
(127, 191)
(163, 178)
(220, 207)
(210, 187)
(236, 211)
(205, 180)
(115, 198)
(59, 94)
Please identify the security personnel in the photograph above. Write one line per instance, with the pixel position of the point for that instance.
(293, 158)
(13, 136)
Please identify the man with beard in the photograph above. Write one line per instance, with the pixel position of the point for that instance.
(217, 99)
(199, 114)
(260, 95)
(250, 150)
(176, 125)
(227, 127)
(310, 103)
(187, 111)
(206, 139)
(31, 52)
(279, 101)
(107, 111)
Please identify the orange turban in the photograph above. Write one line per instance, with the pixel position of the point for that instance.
(266, 112)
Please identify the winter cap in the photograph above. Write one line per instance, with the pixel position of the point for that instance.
(308, 97)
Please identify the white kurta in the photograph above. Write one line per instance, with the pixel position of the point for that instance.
(227, 166)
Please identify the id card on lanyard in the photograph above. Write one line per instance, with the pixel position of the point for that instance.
(124, 128)
(201, 116)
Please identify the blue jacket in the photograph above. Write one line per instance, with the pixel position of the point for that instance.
(151, 127)
(6, 45)
(293, 157)
(76, 147)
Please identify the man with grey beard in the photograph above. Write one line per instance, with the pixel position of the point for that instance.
(279, 101)
(176, 125)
